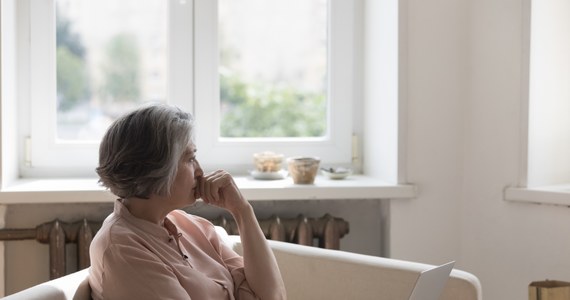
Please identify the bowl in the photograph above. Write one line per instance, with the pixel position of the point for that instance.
(303, 169)
(336, 173)
(267, 162)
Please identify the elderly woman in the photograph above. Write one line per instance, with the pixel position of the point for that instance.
(150, 249)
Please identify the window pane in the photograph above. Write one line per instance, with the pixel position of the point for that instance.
(273, 68)
(111, 58)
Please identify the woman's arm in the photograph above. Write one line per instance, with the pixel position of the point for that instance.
(260, 265)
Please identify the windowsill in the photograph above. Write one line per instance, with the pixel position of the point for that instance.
(554, 195)
(32, 191)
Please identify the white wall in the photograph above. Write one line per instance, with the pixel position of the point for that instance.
(464, 138)
(507, 244)
(426, 229)
(549, 94)
(8, 92)
(380, 89)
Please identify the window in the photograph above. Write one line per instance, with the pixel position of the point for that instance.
(110, 57)
(272, 68)
(271, 75)
(290, 63)
(91, 61)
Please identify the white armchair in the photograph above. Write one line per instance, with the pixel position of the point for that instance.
(309, 273)
(316, 273)
(74, 286)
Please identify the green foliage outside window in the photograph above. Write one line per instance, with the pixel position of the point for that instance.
(122, 70)
(72, 78)
(256, 110)
(248, 109)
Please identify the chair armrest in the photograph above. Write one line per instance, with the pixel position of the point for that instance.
(316, 273)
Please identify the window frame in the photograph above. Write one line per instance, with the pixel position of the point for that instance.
(43, 156)
(236, 153)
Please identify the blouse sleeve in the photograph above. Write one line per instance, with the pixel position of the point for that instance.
(131, 273)
(234, 263)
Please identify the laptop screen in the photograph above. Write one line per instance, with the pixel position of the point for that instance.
(431, 282)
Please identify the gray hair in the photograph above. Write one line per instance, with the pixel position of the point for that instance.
(140, 151)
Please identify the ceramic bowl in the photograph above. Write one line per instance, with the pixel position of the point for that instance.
(336, 173)
(303, 169)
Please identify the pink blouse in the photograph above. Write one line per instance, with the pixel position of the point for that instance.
(184, 259)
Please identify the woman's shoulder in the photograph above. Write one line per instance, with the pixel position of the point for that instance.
(181, 217)
(115, 231)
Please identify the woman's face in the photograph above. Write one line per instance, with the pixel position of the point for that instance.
(183, 191)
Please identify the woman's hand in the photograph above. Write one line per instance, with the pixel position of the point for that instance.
(219, 189)
(260, 266)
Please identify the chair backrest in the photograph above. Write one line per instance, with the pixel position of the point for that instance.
(74, 286)
(316, 273)
(308, 272)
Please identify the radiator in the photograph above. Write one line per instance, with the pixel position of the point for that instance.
(327, 231)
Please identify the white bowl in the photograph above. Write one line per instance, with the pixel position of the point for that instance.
(336, 173)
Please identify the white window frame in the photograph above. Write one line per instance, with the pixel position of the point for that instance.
(49, 157)
(236, 153)
(193, 50)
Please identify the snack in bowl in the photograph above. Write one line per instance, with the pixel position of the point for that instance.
(267, 162)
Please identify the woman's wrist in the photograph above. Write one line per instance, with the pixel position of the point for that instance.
(243, 212)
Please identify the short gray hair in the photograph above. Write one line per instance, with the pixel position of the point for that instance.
(140, 151)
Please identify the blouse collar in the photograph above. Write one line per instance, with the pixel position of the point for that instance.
(168, 228)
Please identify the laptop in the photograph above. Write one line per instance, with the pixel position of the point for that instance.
(431, 282)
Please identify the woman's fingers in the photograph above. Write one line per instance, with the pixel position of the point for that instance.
(219, 189)
(211, 186)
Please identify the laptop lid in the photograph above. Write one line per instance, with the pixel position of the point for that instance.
(431, 282)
